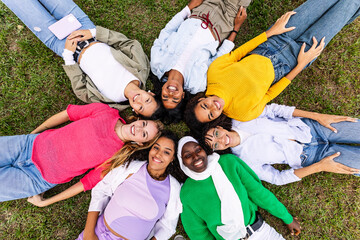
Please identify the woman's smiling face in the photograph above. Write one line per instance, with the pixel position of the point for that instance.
(161, 154)
(140, 131)
(209, 108)
(220, 139)
(194, 157)
(172, 94)
(143, 102)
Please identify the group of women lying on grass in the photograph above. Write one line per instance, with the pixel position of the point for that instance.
(136, 167)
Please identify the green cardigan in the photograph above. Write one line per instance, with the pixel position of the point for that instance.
(127, 52)
(201, 204)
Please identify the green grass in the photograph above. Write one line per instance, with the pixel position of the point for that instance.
(33, 87)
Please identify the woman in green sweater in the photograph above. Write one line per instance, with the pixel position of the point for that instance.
(221, 197)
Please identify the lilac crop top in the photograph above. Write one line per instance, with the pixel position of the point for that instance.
(137, 204)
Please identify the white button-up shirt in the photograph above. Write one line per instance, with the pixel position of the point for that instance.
(276, 138)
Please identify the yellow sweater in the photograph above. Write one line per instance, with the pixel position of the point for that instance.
(244, 84)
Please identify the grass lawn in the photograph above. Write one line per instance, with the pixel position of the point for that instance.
(33, 86)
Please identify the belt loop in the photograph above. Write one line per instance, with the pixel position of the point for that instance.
(251, 229)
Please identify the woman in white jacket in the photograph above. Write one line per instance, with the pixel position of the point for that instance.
(138, 199)
(190, 41)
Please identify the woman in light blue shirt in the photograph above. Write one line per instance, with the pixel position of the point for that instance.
(182, 53)
(306, 141)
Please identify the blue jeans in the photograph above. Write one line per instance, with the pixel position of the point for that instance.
(318, 18)
(38, 15)
(19, 177)
(325, 142)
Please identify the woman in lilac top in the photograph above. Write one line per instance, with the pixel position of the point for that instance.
(139, 199)
(306, 141)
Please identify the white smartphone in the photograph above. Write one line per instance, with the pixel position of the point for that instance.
(65, 26)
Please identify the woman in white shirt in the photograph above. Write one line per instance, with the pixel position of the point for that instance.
(103, 65)
(190, 41)
(306, 141)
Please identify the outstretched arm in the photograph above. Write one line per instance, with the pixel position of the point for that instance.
(304, 58)
(239, 20)
(228, 44)
(279, 26)
(323, 119)
(39, 201)
(294, 227)
(194, 3)
(53, 121)
(89, 231)
(326, 164)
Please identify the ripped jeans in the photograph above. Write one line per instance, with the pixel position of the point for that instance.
(318, 18)
(38, 15)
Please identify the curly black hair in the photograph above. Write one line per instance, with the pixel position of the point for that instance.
(173, 168)
(191, 121)
(196, 127)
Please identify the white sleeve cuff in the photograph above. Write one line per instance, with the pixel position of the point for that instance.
(227, 45)
(68, 57)
(225, 48)
(185, 13)
(290, 112)
(292, 173)
(93, 32)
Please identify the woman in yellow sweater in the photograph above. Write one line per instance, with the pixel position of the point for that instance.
(242, 82)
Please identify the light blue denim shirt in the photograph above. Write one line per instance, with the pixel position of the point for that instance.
(172, 42)
(271, 143)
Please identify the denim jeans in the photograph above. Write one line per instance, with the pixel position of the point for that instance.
(19, 177)
(38, 15)
(325, 142)
(318, 18)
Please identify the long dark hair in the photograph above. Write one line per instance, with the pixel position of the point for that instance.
(224, 122)
(192, 122)
(173, 168)
(168, 116)
(159, 113)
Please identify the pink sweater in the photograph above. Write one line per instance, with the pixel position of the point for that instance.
(61, 154)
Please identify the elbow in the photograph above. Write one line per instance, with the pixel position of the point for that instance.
(277, 181)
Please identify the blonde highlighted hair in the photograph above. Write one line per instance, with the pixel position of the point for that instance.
(121, 157)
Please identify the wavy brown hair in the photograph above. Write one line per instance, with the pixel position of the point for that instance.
(121, 156)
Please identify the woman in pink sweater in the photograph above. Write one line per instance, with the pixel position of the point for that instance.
(32, 164)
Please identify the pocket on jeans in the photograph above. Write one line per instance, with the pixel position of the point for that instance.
(281, 69)
(262, 49)
(303, 158)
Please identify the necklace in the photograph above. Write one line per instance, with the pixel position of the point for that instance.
(158, 178)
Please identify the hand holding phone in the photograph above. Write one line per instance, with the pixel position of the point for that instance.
(81, 35)
(65, 26)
